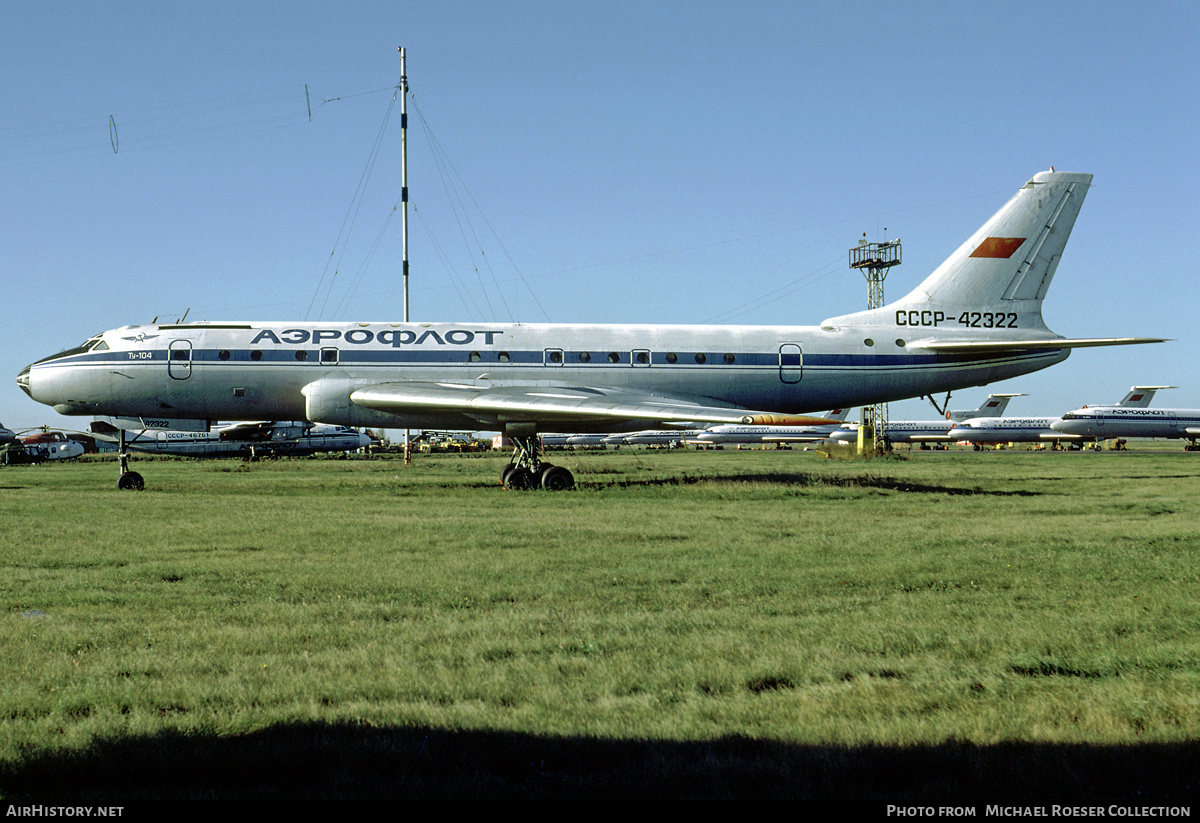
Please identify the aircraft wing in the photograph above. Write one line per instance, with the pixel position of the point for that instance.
(795, 438)
(968, 346)
(559, 404)
(255, 428)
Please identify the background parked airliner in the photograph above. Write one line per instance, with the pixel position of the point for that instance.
(995, 430)
(251, 439)
(734, 433)
(975, 320)
(1105, 422)
(929, 431)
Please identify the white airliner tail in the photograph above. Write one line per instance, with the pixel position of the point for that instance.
(1139, 397)
(994, 406)
(988, 295)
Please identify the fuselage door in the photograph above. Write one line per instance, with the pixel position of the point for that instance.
(179, 359)
(791, 363)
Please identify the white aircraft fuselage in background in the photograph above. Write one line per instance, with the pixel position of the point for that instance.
(1105, 422)
(928, 431)
(995, 430)
(741, 434)
(260, 440)
(975, 320)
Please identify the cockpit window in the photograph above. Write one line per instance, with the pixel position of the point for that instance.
(82, 348)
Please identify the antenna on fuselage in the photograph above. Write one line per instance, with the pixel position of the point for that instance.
(874, 260)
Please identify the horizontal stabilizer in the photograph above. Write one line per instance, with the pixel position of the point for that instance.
(1026, 345)
(142, 423)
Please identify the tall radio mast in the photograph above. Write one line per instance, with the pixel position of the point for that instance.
(874, 260)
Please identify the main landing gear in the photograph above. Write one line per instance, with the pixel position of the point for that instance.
(527, 471)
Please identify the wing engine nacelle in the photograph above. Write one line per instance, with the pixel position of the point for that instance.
(328, 401)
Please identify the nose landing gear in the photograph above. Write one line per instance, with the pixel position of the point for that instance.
(129, 480)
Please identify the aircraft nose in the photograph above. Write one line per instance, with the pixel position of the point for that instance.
(23, 380)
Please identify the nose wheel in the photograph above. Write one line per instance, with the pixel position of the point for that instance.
(129, 480)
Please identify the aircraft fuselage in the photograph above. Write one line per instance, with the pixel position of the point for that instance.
(1115, 421)
(251, 371)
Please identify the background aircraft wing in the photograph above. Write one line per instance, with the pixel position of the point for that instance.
(558, 404)
(795, 438)
(249, 427)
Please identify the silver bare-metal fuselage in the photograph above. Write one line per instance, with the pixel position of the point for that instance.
(285, 371)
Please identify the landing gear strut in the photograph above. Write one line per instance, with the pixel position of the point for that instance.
(527, 471)
(128, 480)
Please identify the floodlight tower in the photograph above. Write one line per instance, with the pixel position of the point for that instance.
(874, 260)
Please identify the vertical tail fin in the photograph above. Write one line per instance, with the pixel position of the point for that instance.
(994, 406)
(1139, 397)
(1005, 268)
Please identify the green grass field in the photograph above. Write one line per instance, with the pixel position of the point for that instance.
(937, 627)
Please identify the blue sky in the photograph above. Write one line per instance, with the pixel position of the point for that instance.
(650, 162)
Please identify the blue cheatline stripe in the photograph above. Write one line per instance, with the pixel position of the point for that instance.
(490, 357)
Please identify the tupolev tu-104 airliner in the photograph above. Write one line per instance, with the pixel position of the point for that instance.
(976, 319)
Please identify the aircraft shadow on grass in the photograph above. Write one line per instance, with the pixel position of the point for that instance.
(817, 481)
(315, 760)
